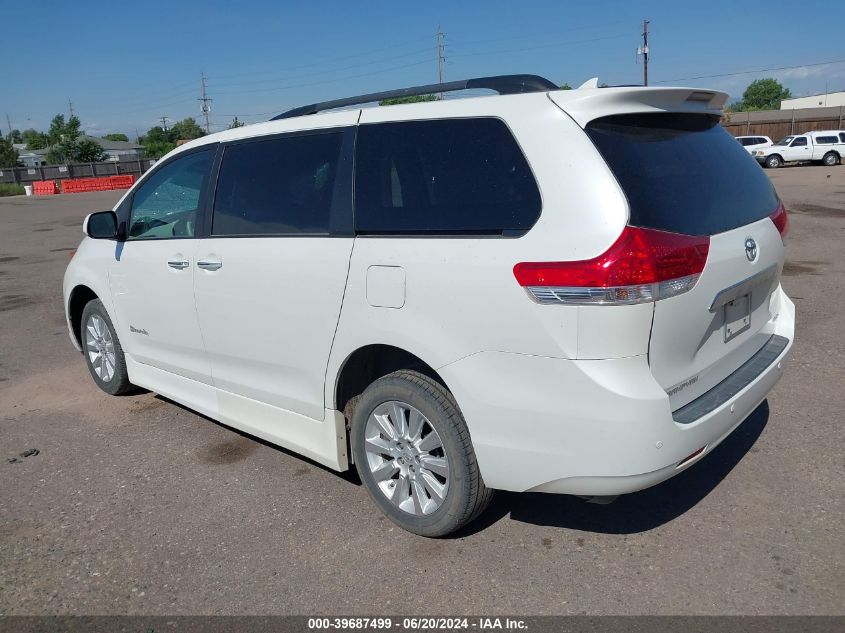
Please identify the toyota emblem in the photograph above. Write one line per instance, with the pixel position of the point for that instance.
(750, 249)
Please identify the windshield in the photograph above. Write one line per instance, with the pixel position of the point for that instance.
(786, 140)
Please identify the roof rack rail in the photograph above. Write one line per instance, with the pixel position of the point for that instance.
(503, 84)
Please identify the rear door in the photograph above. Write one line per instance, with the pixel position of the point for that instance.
(271, 275)
(683, 173)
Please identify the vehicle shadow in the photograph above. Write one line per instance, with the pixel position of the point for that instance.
(349, 476)
(629, 514)
(636, 512)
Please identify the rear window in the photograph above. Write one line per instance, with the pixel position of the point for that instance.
(683, 172)
(450, 176)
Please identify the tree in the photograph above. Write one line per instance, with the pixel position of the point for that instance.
(8, 154)
(156, 142)
(34, 139)
(63, 132)
(116, 137)
(88, 151)
(62, 138)
(566, 87)
(236, 124)
(185, 130)
(412, 99)
(762, 94)
(15, 136)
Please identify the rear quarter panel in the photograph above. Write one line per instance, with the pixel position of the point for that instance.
(460, 294)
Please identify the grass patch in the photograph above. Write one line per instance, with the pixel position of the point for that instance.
(10, 189)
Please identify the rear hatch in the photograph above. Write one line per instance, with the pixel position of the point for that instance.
(683, 173)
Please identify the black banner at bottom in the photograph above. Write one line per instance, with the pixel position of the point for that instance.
(538, 624)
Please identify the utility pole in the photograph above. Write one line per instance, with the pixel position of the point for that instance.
(9, 123)
(205, 108)
(164, 122)
(644, 51)
(441, 45)
(70, 106)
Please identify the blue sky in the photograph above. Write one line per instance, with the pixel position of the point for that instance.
(124, 65)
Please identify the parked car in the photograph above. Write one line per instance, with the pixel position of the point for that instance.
(527, 292)
(826, 147)
(750, 143)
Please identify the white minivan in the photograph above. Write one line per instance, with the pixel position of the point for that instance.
(534, 291)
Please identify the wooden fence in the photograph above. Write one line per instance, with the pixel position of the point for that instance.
(779, 123)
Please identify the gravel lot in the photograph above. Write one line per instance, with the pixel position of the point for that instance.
(136, 505)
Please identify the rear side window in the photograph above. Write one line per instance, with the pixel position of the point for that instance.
(683, 172)
(842, 136)
(453, 176)
(277, 186)
(826, 140)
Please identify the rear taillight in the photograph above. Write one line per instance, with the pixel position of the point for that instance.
(781, 220)
(642, 265)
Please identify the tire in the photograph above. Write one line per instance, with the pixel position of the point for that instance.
(831, 159)
(97, 335)
(439, 440)
(774, 161)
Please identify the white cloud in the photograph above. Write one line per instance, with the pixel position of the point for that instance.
(802, 72)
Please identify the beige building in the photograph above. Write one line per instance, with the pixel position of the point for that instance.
(824, 100)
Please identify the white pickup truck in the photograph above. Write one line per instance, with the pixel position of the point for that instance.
(826, 147)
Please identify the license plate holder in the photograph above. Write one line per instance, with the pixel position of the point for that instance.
(737, 316)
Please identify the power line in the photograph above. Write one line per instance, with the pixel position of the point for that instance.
(534, 48)
(750, 72)
(277, 79)
(335, 59)
(327, 81)
(555, 33)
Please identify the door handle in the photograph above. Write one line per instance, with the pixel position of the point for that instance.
(209, 265)
(178, 264)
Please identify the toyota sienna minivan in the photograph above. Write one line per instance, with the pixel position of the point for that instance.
(571, 292)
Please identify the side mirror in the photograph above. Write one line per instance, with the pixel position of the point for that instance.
(101, 226)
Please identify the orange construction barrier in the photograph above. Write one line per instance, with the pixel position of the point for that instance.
(122, 182)
(104, 183)
(44, 188)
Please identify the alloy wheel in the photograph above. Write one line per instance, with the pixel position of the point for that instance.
(99, 345)
(406, 458)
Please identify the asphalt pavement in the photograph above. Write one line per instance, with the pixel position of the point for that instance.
(136, 505)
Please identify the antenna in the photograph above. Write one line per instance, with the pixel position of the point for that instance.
(205, 108)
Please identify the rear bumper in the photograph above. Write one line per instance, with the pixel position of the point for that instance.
(593, 427)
